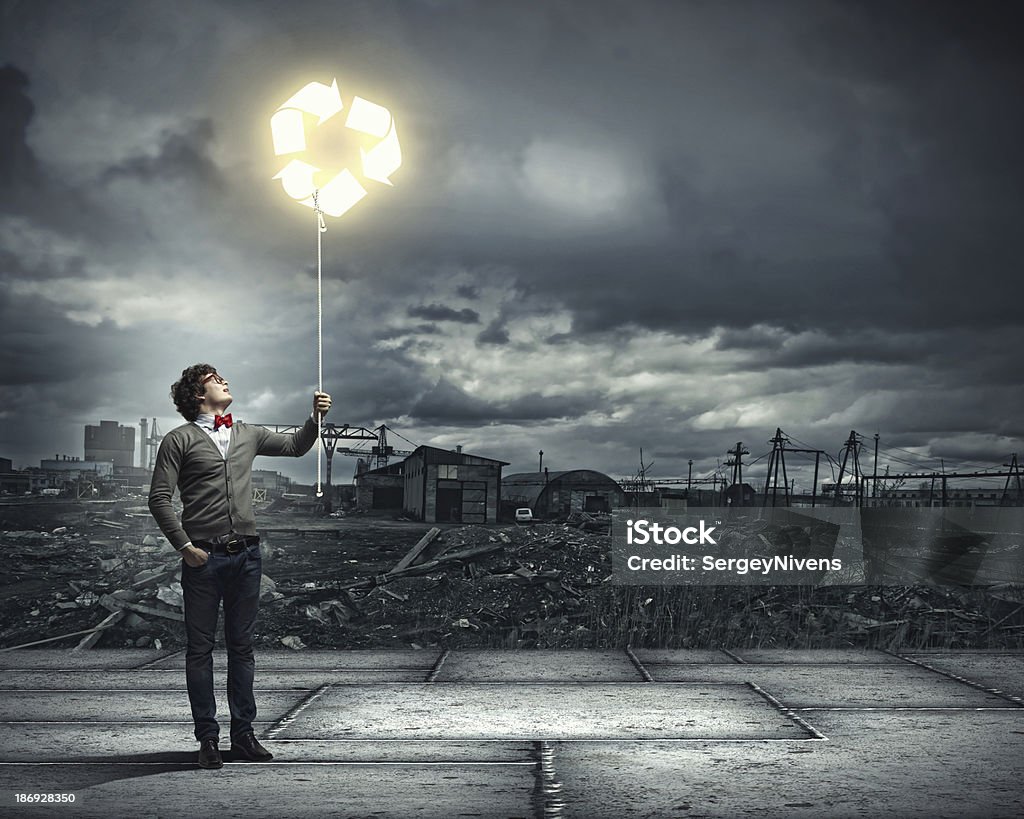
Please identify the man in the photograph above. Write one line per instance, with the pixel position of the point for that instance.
(210, 460)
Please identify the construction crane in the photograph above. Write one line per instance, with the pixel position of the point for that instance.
(149, 442)
(381, 452)
(330, 435)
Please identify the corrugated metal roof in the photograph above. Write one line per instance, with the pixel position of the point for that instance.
(527, 487)
(434, 455)
(579, 476)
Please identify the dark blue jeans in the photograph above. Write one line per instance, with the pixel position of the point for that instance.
(235, 579)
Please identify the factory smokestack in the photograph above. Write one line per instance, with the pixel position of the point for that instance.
(143, 442)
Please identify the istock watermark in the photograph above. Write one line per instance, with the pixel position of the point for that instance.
(643, 531)
(817, 546)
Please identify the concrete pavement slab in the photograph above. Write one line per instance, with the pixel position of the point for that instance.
(814, 655)
(341, 660)
(558, 666)
(454, 748)
(542, 710)
(173, 679)
(92, 658)
(1003, 672)
(413, 791)
(849, 685)
(1008, 652)
(175, 743)
(158, 742)
(683, 655)
(121, 707)
(932, 765)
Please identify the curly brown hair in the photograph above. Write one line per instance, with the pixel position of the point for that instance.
(186, 391)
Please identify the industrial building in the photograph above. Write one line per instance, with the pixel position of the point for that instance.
(273, 483)
(110, 442)
(11, 482)
(73, 467)
(443, 485)
(381, 488)
(555, 494)
(928, 495)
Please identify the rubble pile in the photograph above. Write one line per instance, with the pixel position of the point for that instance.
(65, 583)
(514, 586)
(549, 585)
(111, 580)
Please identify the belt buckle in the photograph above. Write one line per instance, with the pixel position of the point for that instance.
(234, 545)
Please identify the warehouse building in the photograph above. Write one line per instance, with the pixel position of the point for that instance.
(381, 488)
(444, 485)
(556, 494)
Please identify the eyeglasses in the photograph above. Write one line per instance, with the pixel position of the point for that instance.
(213, 377)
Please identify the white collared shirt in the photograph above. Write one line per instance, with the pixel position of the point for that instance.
(222, 437)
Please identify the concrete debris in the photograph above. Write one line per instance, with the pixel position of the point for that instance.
(268, 590)
(385, 583)
(115, 604)
(147, 575)
(133, 621)
(172, 595)
(315, 613)
(294, 642)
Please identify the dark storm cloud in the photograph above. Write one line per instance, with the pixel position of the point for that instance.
(821, 198)
(379, 391)
(51, 368)
(30, 190)
(18, 165)
(447, 404)
(776, 348)
(988, 453)
(441, 312)
(946, 140)
(495, 333)
(34, 350)
(181, 156)
(56, 373)
(389, 333)
(750, 338)
(919, 145)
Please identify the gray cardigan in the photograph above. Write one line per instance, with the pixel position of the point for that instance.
(216, 494)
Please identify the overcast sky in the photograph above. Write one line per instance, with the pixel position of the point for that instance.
(668, 225)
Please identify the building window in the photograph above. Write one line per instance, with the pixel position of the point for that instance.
(449, 472)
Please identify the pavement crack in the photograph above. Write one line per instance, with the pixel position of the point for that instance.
(639, 665)
(788, 712)
(436, 669)
(993, 691)
(295, 711)
(547, 791)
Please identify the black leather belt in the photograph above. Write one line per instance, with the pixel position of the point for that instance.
(227, 544)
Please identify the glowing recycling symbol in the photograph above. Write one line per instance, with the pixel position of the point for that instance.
(344, 190)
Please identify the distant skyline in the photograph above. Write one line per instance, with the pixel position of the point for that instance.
(666, 225)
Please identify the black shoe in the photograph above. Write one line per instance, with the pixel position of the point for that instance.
(209, 754)
(246, 746)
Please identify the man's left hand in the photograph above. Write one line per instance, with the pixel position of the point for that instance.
(321, 403)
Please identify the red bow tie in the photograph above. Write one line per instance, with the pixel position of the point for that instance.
(221, 421)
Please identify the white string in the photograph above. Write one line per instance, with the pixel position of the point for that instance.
(321, 228)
